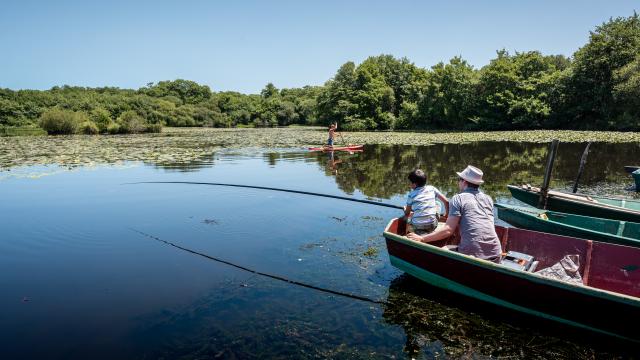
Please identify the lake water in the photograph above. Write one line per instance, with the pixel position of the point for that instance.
(85, 273)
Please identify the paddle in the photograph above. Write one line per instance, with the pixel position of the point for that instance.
(341, 135)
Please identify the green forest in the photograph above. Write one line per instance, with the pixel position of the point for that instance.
(597, 88)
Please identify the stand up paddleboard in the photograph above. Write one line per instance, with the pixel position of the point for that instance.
(338, 148)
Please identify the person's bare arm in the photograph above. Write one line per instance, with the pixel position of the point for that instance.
(407, 211)
(441, 233)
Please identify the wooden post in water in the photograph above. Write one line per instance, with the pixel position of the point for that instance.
(553, 149)
(583, 161)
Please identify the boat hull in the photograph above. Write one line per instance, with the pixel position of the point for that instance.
(593, 209)
(631, 169)
(575, 305)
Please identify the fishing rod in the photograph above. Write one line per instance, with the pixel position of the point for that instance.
(371, 202)
(275, 277)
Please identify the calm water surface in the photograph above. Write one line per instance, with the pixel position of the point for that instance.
(80, 279)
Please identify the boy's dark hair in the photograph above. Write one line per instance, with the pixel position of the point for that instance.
(417, 177)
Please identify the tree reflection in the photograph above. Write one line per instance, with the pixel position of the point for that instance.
(381, 170)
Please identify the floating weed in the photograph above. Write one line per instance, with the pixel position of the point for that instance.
(371, 218)
(184, 145)
(371, 252)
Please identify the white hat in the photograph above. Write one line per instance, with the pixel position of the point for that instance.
(471, 174)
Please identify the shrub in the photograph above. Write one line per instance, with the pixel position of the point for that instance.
(356, 124)
(58, 121)
(89, 128)
(154, 128)
(131, 123)
(102, 118)
(113, 128)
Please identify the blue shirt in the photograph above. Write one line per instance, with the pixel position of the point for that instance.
(423, 204)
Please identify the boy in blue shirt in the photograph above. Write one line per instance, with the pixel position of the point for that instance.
(422, 202)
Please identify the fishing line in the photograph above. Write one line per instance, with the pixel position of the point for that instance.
(275, 277)
(371, 202)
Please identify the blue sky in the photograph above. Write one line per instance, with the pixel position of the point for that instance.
(243, 45)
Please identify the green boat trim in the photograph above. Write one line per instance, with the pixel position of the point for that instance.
(624, 204)
(618, 209)
(444, 283)
(533, 277)
(586, 227)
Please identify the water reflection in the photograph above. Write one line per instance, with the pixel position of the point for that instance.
(380, 170)
(184, 167)
(332, 162)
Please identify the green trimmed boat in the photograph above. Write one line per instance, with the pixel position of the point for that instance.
(585, 227)
(606, 301)
(636, 178)
(600, 207)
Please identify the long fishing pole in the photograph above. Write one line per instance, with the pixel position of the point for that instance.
(275, 277)
(371, 202)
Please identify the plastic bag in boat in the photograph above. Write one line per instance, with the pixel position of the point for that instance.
(567, 269)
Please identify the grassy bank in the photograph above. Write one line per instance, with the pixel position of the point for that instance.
(22, 131)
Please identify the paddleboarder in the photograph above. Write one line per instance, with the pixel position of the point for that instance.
(332, 133)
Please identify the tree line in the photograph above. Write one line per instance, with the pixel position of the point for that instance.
(596, 88)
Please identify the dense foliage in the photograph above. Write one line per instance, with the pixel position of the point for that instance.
(597, 88)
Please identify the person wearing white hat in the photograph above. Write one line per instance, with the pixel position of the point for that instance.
(472, 210)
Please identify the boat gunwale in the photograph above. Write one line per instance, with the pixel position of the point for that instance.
(587, 202)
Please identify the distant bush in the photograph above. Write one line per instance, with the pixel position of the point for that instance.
(58, 121)
(131, 123)
(89, 128)
(154, 128)
(113, 128)
(102, 118)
